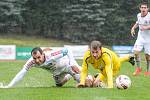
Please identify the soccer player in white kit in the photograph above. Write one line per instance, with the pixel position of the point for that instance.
(60, 63)
(143, 39)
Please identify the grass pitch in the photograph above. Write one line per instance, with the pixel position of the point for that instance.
(39, 85)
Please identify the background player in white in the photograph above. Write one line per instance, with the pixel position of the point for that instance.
(60, 63)
(143, 39)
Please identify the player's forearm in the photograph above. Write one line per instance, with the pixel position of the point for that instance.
(148, 27)
(17, 78)
(83, 75)
(110, 80)
(135, 26)
(110, 83)
(109, 76)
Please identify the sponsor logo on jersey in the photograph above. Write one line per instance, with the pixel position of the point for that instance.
(56, 53)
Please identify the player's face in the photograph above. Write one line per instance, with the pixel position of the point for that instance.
(96, 53)
(39, 58)
(144, 10)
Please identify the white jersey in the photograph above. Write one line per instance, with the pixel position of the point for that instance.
(56, 61)
(143, 36)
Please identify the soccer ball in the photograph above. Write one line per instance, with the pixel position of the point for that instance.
(123, 82)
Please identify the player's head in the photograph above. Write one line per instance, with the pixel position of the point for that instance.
(38, 55)
(144, 8)
(95, 48)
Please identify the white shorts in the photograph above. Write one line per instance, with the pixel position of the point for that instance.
(140, 45)
(63, 69)
(63, 64)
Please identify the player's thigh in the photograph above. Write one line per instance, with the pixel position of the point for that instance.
(58, 79)
(138, 46)
(147, 48)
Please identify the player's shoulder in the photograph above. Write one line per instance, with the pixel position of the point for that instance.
(105, 49)
(138, 15)
(87, 54)
(63, 49)
(148, 14)
(57, 51)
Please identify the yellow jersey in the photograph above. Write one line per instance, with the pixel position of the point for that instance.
(108, 64)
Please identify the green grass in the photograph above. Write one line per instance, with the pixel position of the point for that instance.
(39, 85)
(30, 41)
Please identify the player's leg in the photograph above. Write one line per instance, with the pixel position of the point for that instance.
(66, 78)
(128, 58)
(138, 63)
(72, 60)
(70, 68)
(137, 49)
(57, 79)
(74, 71)
(61, 79)
(148, 64)
(147, 56)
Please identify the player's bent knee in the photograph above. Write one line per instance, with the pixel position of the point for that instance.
(75, 69)
(137, 53)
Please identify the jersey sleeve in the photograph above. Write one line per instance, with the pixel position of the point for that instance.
(57, 54)
(109, 69)
(29, 64)
(84, 70)
(138, 15)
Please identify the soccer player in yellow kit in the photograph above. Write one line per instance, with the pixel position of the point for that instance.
(105, 61)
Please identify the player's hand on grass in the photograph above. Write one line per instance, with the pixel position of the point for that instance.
(80, 85)
(2, 86)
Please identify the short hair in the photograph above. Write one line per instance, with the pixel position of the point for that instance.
(34, 50)
(144, 3)
(95, 44)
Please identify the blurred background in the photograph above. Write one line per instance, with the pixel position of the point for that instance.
(77, 21)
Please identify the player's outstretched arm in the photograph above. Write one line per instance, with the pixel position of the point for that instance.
(16, 79)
